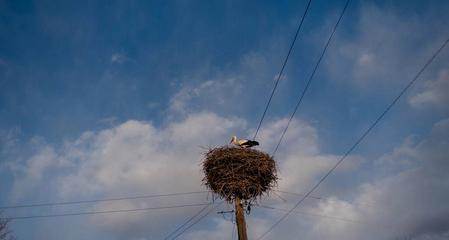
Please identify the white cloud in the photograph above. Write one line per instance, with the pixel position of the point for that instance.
(208, 95)
(133, 154)
(299, 155)
(118, 58)
(31, 174)
(384, 50)
(136, 157)
(221, 230)
(8, 141)
(411, 202)
(237, 91)
(108, 121)
(433, 93)
(132, 158)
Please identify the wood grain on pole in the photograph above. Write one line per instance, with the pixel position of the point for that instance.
(240, 219)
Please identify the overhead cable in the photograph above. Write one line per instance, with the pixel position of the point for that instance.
(197, 221)
(106, 211)
(99, 200)
(360, 139)
(309, 81)
(186, 222)
(282, 68)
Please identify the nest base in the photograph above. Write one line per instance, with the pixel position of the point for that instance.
(233, 172)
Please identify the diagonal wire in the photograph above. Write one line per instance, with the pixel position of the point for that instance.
(325, 216)
(197, 221)
(99, 200)
(329, 199)
(186, 222)
(359, 140)
(283, 67)
(121, 199)
(310, 214)
(299, 194)
(107, 211)
(309, 81)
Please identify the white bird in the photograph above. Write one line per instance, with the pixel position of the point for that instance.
(243, 143)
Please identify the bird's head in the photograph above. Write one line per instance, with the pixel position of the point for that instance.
(233, 139)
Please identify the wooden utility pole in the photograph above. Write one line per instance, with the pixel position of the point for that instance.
(240, 219)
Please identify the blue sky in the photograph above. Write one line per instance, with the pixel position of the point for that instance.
(114, 98)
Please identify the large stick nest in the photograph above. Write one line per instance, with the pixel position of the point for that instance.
(234, 172)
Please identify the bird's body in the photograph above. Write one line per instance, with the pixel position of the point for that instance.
(243, 143)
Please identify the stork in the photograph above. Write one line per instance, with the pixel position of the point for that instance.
(243, 143)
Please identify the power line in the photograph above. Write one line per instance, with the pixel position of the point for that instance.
(299, 194)
(186, 222)
(133, 198)
(311, 214)
(100, 200)
(282, 69)
(107, 211)
(301, 97)
(366, 204)
(119, 199)
(321, 215)
(197, 221)
(360, 138)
